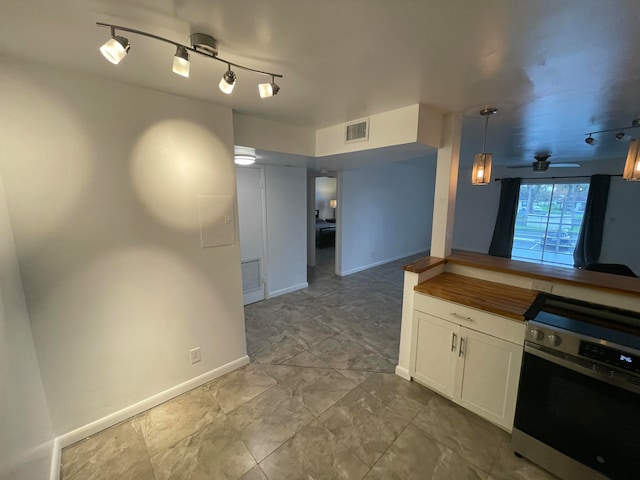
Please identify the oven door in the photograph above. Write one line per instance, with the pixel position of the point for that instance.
(581, 413)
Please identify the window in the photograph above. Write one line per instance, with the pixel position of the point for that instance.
(548, 222)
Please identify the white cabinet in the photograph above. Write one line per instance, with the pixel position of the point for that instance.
(435, 359)
(487, 376)
(456, 358)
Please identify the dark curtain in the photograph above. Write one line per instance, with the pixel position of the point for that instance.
(590, 238)
(502, 240)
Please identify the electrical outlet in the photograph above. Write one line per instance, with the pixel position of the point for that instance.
(195, 355)
(541, 286)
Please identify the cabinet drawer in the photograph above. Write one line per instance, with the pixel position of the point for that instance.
(481, 321)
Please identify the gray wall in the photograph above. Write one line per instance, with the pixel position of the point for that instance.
(101, 182)
(385, 213)
(26, 434)
(286, 192)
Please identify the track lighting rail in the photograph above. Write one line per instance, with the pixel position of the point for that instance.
(115, 28)
(115, 49)
(634, 124)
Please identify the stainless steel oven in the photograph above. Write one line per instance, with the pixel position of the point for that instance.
(578, 407)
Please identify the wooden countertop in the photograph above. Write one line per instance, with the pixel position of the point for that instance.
(423, 264)
(492, 297)
(572, 276)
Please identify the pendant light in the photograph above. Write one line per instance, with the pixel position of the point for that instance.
(632, 165)
(481, 173)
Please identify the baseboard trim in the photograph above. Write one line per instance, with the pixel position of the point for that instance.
(56, 457)
(128, 412)
(403, 372)
(284, 291)
(381, 262)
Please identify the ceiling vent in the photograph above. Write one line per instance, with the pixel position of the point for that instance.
(357, 131)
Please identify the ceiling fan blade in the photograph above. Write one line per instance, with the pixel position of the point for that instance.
(565, 165)
(518, 166)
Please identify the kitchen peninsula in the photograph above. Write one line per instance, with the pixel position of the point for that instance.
(463, 324)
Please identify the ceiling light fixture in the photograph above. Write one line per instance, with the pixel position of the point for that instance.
(228, 81)
(117, 48)
(244, 159)
(620, 132)
(181, 62)
(632, 165)
(481, 173)
(268, 89)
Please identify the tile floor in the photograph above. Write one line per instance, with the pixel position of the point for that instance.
(318, 401)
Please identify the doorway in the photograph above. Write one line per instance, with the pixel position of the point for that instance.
(252, 225)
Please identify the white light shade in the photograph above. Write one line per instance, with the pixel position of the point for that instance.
(115, 49)
(181, 62)
(333, 203)
(265, 89)
(632, 165)
(268, 89)
(225, 86)
(227, 82)
(481, 173)
(244, 159)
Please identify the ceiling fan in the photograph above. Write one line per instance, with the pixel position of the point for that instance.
(542, 163)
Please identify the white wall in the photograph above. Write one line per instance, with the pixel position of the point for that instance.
(325, 192)
(415, 123)
(276, 137)
(26, 434)
(286, 192)
(385, 213)
(477, 207)
(101, 182)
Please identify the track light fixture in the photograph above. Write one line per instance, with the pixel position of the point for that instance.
(481, 173)
(181, 62)
(632, 164)
(228, 81)
(117, 47)
(268, 89)
(620, 132)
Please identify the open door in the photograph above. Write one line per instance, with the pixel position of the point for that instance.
(251, 219)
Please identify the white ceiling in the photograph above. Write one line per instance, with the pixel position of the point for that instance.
(554, 69)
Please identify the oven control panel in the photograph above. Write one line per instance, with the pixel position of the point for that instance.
(610, 356)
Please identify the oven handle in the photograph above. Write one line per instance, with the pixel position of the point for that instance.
(620, 380)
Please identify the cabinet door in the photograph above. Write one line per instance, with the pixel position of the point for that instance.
(436, 342)
(487, 376)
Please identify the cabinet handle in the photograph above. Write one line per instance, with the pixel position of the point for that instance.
(461, 347)
(453, 341)
(461, 317)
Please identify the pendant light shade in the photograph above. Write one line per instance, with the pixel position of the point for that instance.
(632, 165)
(481, 173)
(181, 62)
(115, 49)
